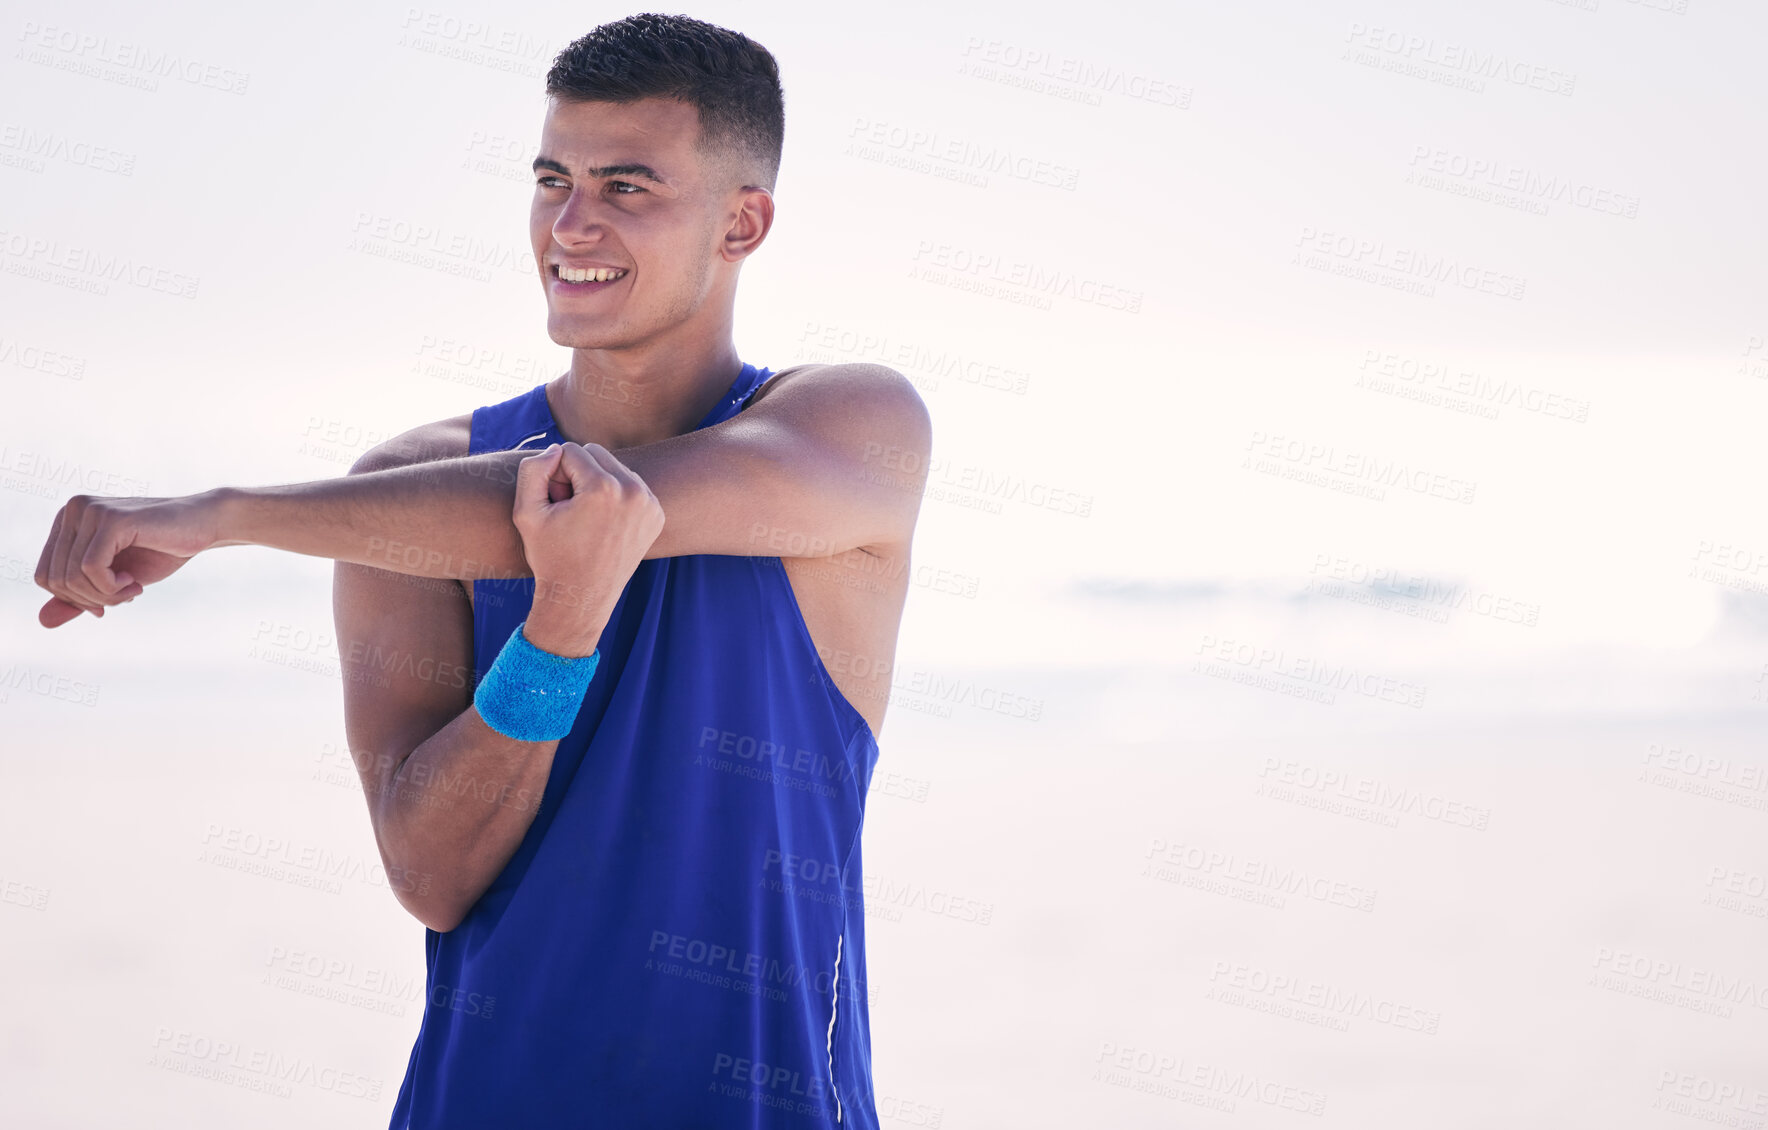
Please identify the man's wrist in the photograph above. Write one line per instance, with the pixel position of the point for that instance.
(570, 636)
(223, 510)
(566, 618)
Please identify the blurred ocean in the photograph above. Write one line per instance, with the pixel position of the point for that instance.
(1146, 894)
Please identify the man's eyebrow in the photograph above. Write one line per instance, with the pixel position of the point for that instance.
(627, 170)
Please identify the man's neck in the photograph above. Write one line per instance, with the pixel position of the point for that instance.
(617, 401)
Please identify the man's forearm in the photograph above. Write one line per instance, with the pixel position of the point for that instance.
(454, 841)
(450, 518)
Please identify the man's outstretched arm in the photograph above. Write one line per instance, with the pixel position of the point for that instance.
(833, 458)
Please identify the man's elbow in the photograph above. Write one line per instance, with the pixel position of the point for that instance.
(439, 913)
(441, 923)
(377, 458)
(417, 878)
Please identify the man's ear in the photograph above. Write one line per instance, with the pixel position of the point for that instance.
(750, 224)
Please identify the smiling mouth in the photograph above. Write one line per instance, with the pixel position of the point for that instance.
(587, 276)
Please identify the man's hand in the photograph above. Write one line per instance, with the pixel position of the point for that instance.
(104, 551)
(586, 521)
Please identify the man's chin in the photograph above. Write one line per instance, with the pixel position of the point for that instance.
(576, 333)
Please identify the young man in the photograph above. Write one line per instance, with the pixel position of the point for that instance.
(654, 919)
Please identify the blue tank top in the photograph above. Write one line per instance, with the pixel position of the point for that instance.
(680, 938)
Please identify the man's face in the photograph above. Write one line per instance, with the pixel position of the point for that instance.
(621, 186)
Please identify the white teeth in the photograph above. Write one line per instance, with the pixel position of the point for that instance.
(589, 274)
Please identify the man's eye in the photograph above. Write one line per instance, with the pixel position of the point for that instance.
(624, 184)
(550, 182)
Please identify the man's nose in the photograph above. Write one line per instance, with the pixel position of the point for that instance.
(583, 215)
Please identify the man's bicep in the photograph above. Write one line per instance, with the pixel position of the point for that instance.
(439, 439)
(833, 460)
(404, 642)
(405, 645)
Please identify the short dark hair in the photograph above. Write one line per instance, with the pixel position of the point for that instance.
(732, 80)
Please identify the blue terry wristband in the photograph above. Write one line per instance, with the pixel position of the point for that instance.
(533, 695)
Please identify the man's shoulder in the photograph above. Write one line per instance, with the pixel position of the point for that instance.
(851, 373)
(449, 438)
(492, 427)
(873, 431)
(854, 389)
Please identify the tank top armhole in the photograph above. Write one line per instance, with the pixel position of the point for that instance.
(855, 721)
(476, 430)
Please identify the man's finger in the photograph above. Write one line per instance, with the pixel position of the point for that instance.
(48, 554)
(58, 562)
(580, 467)
(561, 482)
(56, 612)
(533, 476)
(58, 552)
(78, 583)
(96, 548)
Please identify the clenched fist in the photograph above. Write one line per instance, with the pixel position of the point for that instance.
(103, 551)
(586, 521)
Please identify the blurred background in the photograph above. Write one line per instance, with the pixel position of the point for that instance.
(1333, 688)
